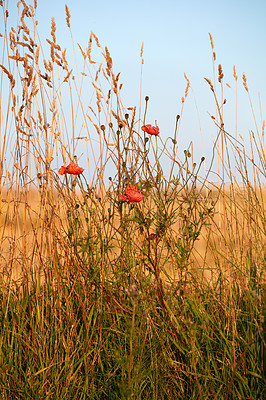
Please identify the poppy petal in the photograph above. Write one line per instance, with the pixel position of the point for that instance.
(135, 196)
(151, 130)
(123, 197)
(74, 169)
(62, 170)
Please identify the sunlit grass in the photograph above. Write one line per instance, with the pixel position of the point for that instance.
(137, 278)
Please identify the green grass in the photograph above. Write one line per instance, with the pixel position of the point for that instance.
(81, 340)
(109, 299)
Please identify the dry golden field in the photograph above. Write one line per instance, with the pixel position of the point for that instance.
(121, 278)
(235, 228)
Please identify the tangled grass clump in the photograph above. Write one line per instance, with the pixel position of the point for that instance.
(125, 273)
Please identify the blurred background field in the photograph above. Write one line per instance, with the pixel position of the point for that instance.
(235, 228)
(104, 297)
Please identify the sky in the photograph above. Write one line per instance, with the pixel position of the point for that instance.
(176, 41)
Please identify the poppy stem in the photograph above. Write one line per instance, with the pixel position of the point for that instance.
(174, 147)
(146, 107)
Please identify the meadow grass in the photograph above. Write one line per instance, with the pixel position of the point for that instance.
(105, 298)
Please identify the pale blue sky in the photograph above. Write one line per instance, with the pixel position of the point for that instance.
(176, 40)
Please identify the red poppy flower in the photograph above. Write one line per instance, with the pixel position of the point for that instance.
(151, 130)
(132, 193)
(72, 169)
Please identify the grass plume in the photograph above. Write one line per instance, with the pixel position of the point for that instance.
(156, 293)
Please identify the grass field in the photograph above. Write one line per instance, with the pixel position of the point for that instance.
(137, 278)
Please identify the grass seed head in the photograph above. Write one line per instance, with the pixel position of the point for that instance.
(67, 16)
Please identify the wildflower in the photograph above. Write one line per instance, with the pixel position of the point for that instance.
(132, 193)
(72, 169)
(151, 130)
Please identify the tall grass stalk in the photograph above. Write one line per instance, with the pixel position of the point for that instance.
(103, 297)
